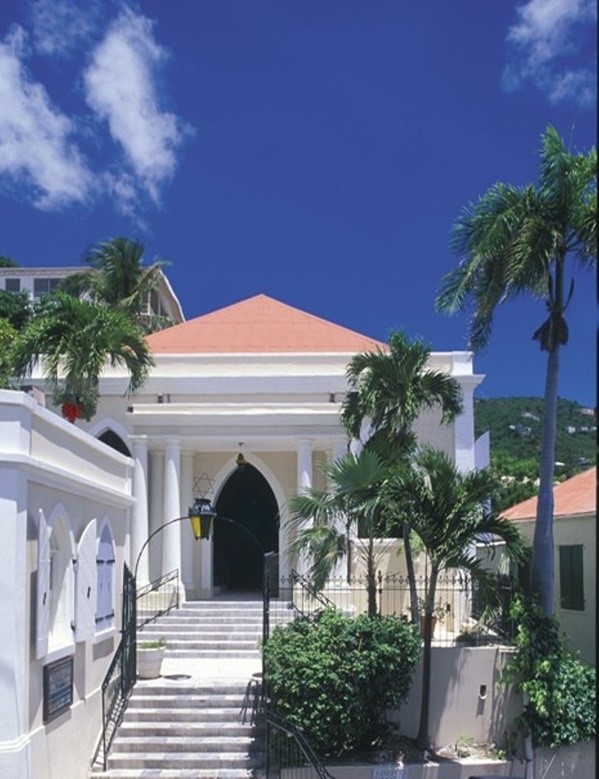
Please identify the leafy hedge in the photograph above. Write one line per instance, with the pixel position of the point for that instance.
(561, 689)
(335, 677)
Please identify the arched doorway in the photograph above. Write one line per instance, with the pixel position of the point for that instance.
(247, 499)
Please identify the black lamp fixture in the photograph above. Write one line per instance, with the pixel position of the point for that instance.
(241, 461)
(201, 515)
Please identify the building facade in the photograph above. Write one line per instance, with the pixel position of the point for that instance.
(261, 379)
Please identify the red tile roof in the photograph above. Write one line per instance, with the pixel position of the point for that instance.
(577, 495)
(258, 325)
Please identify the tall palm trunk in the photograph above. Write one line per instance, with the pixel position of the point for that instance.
(542, 568)
(414, 610)
(422, 739)
(371, 579)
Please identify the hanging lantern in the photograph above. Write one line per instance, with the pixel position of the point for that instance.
(201, 515)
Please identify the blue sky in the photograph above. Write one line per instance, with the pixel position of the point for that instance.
(317, 151)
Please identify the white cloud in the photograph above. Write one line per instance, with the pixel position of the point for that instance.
(543, 40)
(120, 87)
(62, 26)
(37, 153)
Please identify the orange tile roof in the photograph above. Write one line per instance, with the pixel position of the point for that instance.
(255, 326)
(577, 495)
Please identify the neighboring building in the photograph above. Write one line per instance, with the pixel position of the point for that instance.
(65, 500)
(38, 281)
(575, 543)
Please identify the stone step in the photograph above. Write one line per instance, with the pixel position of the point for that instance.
(201, 635)
(213, 654)
(182, 760)
(165, 773)
(162, 714)
(182, 744)
(174, 701)
(233, 627)
(209, 690)
(176, 728)
(188, 729)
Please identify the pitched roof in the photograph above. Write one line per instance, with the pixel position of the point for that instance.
(577, 495)
(258, 325)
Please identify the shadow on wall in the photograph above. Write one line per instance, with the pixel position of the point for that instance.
(467, 698)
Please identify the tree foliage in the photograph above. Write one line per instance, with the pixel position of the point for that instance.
(323, 520)
(522, 241)
(336, 677)
(446, 512)
(561, 705)
(75, 340)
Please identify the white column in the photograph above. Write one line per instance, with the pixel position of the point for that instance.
(304, 482)
(139, 512)
(187, 540)
(304, 464)
(464, 429)
(156, 491)
(171, 536)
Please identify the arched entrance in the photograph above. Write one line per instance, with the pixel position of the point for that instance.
(247, 499)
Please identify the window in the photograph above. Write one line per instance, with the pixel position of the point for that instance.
(105, 573)
(571, 577)
(13, 285)
(61, 585)
(42, 286)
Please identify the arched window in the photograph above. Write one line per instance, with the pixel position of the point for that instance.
(110, 438)
(105, 580)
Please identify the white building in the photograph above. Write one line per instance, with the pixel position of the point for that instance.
(258, 377)
(38, 281)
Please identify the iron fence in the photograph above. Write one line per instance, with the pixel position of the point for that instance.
(464, 611)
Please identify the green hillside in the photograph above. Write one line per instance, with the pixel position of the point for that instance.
(514, 425)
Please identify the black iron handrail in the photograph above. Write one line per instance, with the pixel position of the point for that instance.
(154, 587)
(275, 721)
(297, 578)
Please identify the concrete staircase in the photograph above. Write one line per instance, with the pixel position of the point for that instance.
(199, 719)
(210, 629)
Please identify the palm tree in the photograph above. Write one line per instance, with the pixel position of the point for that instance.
(520, 240)
(445, 509)
(119, 279)
(390, 388)
(351, 500)
(76, 338)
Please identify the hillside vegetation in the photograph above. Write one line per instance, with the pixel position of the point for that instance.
(514, 425)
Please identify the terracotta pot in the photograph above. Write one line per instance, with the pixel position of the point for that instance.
(71, 411)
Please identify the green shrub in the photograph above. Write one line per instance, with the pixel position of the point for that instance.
(335, 677)
(561, 707)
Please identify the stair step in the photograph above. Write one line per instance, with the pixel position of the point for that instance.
(177, 728)
(181, 714)
(178, 773)
(183, 744)
(184, 760)
(187, 701)
(187, 729)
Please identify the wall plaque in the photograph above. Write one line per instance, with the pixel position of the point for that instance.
(58, 687)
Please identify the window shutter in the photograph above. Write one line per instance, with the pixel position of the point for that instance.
(85, 589)
(43, 587)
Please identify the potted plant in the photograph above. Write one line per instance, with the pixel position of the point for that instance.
(440, 610)
(149, 658)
